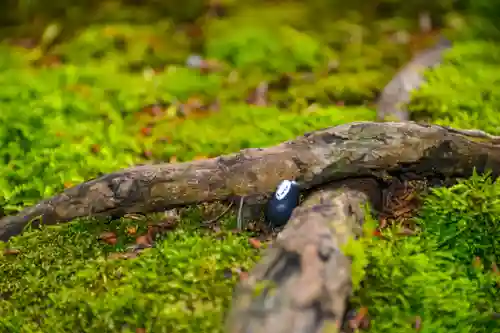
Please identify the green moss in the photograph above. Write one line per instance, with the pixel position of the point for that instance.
(243, 126)
(358, 249)
(432, 275)
(77, 120)
(461, 92)
(185, 274)
(466, 219)
(66, 123)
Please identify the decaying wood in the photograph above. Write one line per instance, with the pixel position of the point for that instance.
(361, 149)
(304, 281)
(392, 102)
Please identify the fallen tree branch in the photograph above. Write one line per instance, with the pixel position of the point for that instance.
(351, 150)
(391, 105)
(304, 281)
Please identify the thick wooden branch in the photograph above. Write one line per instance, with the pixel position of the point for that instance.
(351, 150)
(304, 281)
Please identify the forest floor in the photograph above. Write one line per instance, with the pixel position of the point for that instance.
(116, 95)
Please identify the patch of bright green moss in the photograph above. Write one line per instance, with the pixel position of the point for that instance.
(241, 126)
(69, 283)
(462, 91)
(433, 275)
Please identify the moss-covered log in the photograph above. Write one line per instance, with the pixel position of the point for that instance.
(304, 282)
(362, 149)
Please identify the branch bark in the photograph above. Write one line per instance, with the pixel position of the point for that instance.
(304, 281)
(362, 149)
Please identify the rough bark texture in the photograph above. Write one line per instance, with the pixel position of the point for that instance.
(361, 149)
(304, 281)
(391, 104)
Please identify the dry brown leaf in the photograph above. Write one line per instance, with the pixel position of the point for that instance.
(144, 240)
(132, 230)
(255, 243)
(107, 234)
(146, 131)
(243, 276)
(108, 237)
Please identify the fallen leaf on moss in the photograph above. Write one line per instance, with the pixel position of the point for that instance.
(406, 232)
(131, 230)
(154, 110)
(159, 228)
(255, 243)
(144, 240)
(359, 319)
(146, 131)
(108, 237)
(194, 103)
(243, 276)
(107, 234)
(49, 61)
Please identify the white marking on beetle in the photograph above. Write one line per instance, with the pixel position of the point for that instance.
(283, 189)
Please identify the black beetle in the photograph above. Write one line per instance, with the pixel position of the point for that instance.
(284, 200)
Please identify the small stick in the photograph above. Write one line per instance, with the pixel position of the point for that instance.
(239, 222)
(215, 219)
(473, 133)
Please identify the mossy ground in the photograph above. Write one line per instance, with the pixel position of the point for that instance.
(116, 95)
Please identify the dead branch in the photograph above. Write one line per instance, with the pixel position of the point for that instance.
(361, 149)
(392, 102)
(303, 283)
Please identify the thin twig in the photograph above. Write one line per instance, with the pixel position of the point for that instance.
(473, 133)
(239, 222)
(212, 221)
